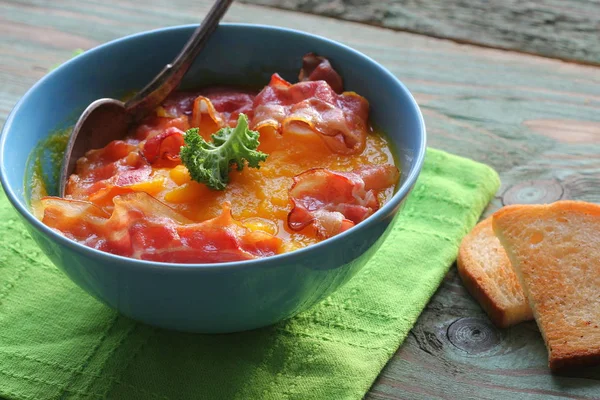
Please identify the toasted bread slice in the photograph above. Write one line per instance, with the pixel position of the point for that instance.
(555, 251)
(488, 275)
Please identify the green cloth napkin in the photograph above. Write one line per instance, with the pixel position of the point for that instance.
(56, 342)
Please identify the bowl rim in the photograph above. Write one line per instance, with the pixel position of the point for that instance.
(276, 260)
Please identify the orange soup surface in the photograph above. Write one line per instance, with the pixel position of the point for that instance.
(326, 171)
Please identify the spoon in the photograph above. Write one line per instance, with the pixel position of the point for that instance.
(106, 119)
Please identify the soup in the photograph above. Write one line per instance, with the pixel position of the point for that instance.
(225, 174)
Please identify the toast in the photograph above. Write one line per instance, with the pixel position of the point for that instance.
(488, 275)
(555, 251)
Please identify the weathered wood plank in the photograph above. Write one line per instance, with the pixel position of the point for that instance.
(536, 120)
(564, 29)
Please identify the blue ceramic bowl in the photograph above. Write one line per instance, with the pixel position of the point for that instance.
(209, 298)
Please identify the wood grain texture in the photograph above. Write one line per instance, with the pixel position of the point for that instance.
(515, 112)
(564, 29)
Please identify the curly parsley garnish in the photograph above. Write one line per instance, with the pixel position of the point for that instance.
(209, 162)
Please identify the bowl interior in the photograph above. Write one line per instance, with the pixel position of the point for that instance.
(236, 54)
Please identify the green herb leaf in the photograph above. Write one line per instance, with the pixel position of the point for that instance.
(209, 162)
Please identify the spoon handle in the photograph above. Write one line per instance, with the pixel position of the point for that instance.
(146, 100)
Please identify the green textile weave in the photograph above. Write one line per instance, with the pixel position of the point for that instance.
(56, 342)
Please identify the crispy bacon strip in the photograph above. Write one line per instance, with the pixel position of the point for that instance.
(103, 198)
(222, 108)
(180, 103)
(203, 108)
(230, 104)
(142, 227)
(155, 125)
(119, 163)
(164, 146)
(313, 107)
(131, 176)
(333, 202)
(77, 220)
(315, 68)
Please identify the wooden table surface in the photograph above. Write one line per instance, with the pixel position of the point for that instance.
(536, 120)
(563, 29)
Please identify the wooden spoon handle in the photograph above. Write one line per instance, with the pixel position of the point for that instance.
(147, 99)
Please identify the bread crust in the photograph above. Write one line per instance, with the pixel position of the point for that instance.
(480, 285)
(564, 205)
(562, 363)
(546, 278)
